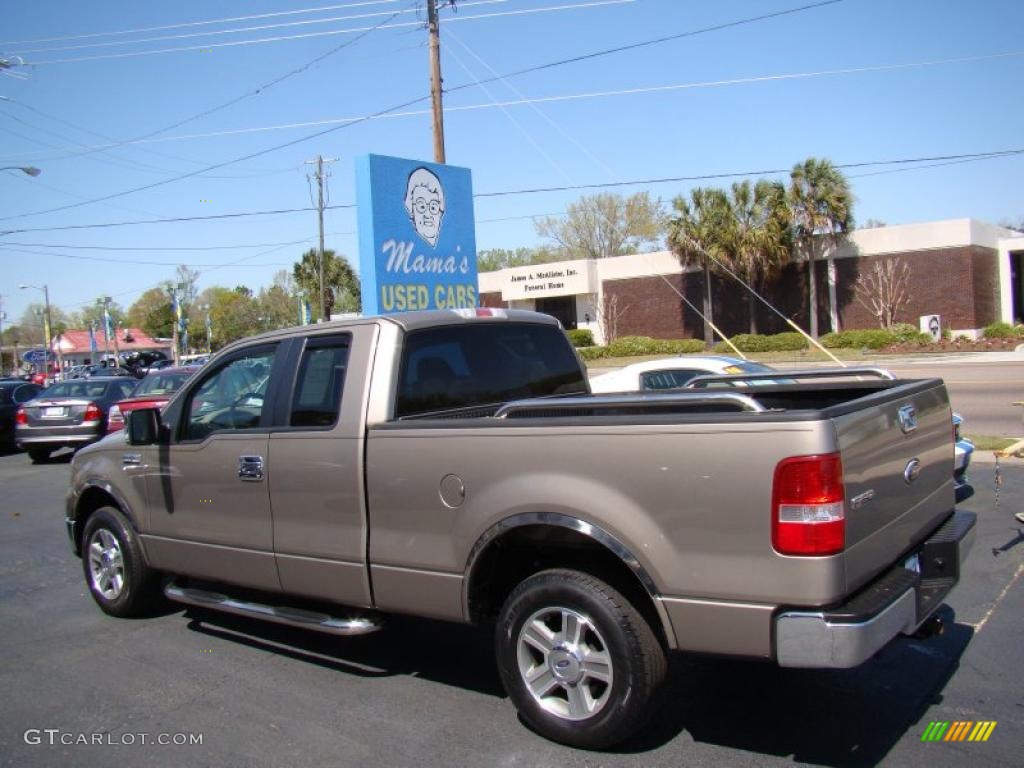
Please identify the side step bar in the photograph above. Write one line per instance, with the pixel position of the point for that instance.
(293, 617)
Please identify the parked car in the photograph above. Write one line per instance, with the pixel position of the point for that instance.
(104, 370)
(152, 392)
(68, 414)
(74, 372)
(670, 372)
(13, 392)
(962, 451)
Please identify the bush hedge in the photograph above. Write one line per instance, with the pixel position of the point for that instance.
(581, 337)
(1003, 331)
(874, 338)
(779, 342)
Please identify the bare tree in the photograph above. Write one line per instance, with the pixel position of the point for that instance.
(882, 289)
(609, 313)
(603, 225)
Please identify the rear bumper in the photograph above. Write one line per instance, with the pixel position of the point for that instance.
(56, 437)
(898, 602)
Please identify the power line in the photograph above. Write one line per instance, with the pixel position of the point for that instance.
(4, 243)
(174, 220)
(769, 172)
(309, 35)
(237, 30)
(135, 262)
(10, 43)
(645, 43)
(598, 94)
(937, 160)
(258, 90)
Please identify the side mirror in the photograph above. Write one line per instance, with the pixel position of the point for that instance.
(142, 427)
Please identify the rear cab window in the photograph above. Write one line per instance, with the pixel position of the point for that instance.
(465, 366)
(316, 399)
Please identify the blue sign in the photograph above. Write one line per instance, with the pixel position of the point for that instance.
(34, 356)
(417, 235)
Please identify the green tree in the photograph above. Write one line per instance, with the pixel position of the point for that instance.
(697, 235)
(31, 322)
(821, 208)
(152, 313)
(233, 314)
(93, 314)
(341, 285)
(502, 258)
(756, 242)
(604, 225)
(276, 303)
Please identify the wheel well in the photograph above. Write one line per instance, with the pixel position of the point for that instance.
(92, 498)
(529, 549)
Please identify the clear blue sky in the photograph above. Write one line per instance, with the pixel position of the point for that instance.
(969, 103)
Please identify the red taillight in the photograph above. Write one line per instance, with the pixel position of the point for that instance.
(21, 417)
(92, 413)
(808, 510)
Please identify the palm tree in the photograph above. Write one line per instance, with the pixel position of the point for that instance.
(697, 234)
(341, 284)
(758, 236)
(821, 206)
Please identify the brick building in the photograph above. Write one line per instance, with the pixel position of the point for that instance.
(968, 272)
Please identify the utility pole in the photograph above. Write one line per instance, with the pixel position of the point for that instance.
(434, 30)
(319, 162)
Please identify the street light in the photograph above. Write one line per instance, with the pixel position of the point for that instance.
(47, 326)
(31, 170)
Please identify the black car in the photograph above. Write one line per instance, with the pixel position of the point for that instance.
(13, 392)
(69, 414)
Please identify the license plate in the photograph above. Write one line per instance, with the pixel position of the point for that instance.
(913, 563)
(53, 412)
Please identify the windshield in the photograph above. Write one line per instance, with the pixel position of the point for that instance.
(160, 384)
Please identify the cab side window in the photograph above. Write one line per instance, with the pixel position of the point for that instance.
(320, 382)
(232, 397)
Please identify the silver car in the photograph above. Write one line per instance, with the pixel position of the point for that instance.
(68, 414)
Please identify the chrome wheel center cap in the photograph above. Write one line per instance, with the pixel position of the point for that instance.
(565, 666)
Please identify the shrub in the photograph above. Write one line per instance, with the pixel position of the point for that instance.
(875, 338)
(593, 353)
(581, 337)
(680, 346)
(1000, 331)
(629, 346)
(905, 332)
(779, 342)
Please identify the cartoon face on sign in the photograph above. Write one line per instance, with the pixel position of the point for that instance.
(424, 202)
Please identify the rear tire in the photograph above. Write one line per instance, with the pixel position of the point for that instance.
(577, 659)
(39, 455)
(117, 575)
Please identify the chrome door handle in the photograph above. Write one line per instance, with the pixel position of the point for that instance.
(250, 468)
(131, 459)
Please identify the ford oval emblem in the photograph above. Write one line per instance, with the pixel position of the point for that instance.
(908, 418)
(912, 470)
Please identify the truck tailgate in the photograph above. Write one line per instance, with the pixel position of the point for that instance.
(897, 454)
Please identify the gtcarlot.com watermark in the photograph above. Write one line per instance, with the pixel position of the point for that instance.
(55, 736)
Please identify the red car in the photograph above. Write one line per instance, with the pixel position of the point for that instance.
(154, 391)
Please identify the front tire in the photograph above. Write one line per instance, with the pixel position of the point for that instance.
(577, 659)
(120, 581)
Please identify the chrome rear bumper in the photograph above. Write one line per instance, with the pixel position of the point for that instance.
(899, 602)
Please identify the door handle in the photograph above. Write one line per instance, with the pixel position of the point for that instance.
(250, 468)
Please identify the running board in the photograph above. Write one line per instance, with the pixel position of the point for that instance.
(293, 617)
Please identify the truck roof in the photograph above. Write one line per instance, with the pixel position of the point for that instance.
(410, 321)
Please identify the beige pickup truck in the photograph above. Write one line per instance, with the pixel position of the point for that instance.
(454, 465)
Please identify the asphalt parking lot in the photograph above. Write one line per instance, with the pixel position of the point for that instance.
(427, 694)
